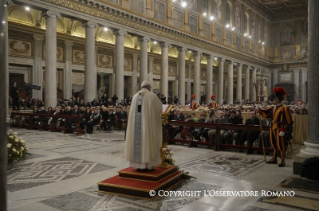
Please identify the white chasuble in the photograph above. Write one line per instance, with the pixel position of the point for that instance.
(144, 131)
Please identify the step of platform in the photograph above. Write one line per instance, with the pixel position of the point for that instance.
(138, 187)
(155, 175)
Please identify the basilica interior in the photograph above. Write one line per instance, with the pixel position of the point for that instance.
(238, 50)
(247, 44)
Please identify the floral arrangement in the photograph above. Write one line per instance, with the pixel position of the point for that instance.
(17, 149)
(168, 156)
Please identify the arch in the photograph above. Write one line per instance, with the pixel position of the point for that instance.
(172, 51)
(106, 36)
(78, 30)
(128, 41)
(18, 14)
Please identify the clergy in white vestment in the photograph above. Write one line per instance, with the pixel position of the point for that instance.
(144, 130)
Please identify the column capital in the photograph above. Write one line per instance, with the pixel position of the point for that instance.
(90, 24)
(135, 55)
(51, 14)
(197, 53)
(39, 37)
(144, 39)
(208, 56)
(164, 45)
(119, 32)
(230, 62)
(68, 43)
(221, 59)
(240, 64)
(151, 59)
(296, 70)
(181, 49)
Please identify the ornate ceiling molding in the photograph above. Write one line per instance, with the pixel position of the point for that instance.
(142, 24)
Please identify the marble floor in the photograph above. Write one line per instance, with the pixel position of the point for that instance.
(63, 171)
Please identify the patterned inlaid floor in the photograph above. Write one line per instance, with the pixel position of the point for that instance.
(40, 173)
(228, 165)
(90, 199)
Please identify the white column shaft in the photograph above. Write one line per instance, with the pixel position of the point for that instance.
(90, 70)
(304, 79)
(134, 74)
(189, 83)
(247, 82)
(144, 53)
(220, 81)
(197, 83)
(254, 81)
(209, 78)
(164, 73)
(181, 76)
(150, 68)
(119, 65)
(239, 94)
(67, 81)
(230, 87)
(50, 60)
(37, 73)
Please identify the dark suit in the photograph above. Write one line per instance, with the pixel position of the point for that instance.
(121, 117)
(228, 136)
(15, 98)
(177, 129)
(74, 113)
(253, 135)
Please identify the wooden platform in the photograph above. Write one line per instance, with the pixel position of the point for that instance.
(135, 183)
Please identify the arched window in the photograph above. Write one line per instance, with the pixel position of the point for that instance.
(227, 18)
(245, 24)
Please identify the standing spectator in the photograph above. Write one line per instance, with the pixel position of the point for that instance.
(15, 97)
(121, 117)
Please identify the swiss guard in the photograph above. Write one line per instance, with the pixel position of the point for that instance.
(213, 104)
(280, 119)
(193, 104)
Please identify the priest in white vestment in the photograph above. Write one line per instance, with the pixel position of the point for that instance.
(144, 130)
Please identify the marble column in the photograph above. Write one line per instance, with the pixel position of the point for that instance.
(197, 83)
(275, 77)
(296, 83)
(50, 59)
(181, 75)
(247, 82)
(89, 69)
(209, 78)
(164, 73)
(150, 69)
(304, 79)
(220, 84)
(134, 74)
(119, 64)
(189, 83)
(239, 95)
(312, 143)
(254, 82)
(230, 87)
(144, 47)
(67, 81)
(4, 99)
(37, 72)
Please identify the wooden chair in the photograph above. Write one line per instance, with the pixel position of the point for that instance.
(97, 126)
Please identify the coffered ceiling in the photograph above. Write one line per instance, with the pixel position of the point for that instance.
(282, 9)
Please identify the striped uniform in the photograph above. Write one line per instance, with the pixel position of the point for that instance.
(281, 118)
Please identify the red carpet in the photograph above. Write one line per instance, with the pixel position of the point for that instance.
(138, 183)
